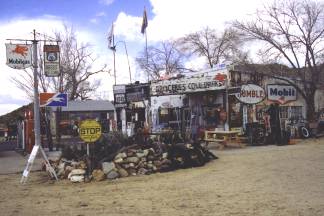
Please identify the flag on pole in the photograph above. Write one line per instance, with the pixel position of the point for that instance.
(144, 23)
(111, 42)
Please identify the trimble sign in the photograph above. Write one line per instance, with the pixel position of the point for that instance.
(281, 93)
(251, 94)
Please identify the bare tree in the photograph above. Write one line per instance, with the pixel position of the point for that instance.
(75, 70)
(163, 58)
(76, 63)
(292, 31)
(214, 47)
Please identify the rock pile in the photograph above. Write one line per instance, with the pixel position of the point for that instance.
(133, 161)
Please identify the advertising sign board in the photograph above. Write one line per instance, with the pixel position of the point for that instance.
(281, 93)
(137, 92)
(251, 94)
(187, 85)
(19, 56)
(53, 99)
(52, 60)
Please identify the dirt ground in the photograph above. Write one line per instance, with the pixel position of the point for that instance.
(270, 180)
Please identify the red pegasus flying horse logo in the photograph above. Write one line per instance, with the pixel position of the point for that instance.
(20, 49)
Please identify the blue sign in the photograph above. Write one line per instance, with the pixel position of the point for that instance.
(55, 100)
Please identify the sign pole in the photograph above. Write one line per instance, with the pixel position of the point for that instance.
(36, 99)
(88, 150)
(36, 122)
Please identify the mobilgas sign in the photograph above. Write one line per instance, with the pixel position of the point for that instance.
(19, 56)
(251, 94)
(281, 93)
(187, 85)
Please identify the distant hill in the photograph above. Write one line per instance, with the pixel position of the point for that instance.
(12, 117)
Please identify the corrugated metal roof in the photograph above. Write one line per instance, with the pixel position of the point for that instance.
(89, 105)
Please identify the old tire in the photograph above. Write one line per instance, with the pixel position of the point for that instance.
(304, 132)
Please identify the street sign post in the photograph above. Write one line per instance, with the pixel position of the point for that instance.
(90, 131)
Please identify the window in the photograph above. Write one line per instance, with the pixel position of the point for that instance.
(296, 112)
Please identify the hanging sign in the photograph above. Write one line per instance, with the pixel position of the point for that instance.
(90, 131)
(52, 60)
(281, 93)
(188, 85)
(19, 56)
(251, 94)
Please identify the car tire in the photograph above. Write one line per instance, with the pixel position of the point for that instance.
(304, 132)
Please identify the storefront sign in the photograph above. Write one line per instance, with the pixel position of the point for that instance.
(19, 56)
(119, 96)
(186, 85)
(137, 92)
(120, 100)
(281, 93)
(52, 60)
(251, 94)
(119, 89)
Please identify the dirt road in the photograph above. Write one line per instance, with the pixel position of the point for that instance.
(271, 180)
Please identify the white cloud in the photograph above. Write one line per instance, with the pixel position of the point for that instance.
(129, 27)
(101, 14)
(106, 2)
(93, 20)
(175, 18)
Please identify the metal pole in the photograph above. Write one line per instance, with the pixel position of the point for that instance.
(227, 105)
(129, 70)
(148, 75)
(114, 51)
(36, 99)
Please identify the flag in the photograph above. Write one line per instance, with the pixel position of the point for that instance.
(111, 42)
(144, 23)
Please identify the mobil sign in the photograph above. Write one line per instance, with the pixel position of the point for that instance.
(251, 94)
(281, 93)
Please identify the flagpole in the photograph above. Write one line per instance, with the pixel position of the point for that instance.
(148, 75)
(114, 51)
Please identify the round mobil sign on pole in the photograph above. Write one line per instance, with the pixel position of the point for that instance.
(90, 131)
(251, 94)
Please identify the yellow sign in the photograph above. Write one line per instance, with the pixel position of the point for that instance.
(90, 131)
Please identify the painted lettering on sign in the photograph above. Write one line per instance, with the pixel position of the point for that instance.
(180, 86)
(251, 94)
(90, 131)
(281, 93)
(19, 55)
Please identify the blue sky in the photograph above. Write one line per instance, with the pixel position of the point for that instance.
(167, 19)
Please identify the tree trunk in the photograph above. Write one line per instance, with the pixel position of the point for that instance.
(310, 106)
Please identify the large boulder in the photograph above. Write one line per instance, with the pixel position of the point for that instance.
(113, 174)
(122, 172)
(98, 175)
(107, 167)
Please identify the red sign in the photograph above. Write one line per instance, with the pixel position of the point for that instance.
(44, 97)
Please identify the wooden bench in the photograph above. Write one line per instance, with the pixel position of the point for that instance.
(223, 138)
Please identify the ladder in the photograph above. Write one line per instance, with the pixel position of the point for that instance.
(30, 163)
